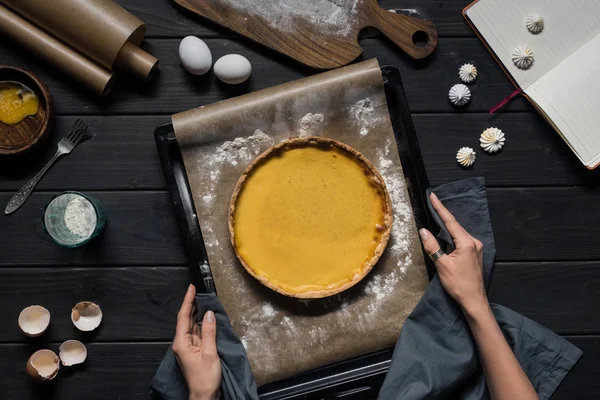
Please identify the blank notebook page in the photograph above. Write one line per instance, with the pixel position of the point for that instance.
(570, 97)
(569, 24)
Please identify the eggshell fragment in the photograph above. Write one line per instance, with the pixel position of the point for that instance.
(195, 55)
(72, 352)
(43, 365)
(233, 69)
(86, 316)
(34, 320)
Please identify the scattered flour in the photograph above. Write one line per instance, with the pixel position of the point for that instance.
(401, 227)
(337, 17)
(208, 199)
(231, 152)
(364, 114)
(268, 310)
(258, 329)
(241, 149)
(80, 217)
(381, 286)
(309, 123)
(362, 110)
(410, 11)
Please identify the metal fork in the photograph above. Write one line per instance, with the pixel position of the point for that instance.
(76, 134)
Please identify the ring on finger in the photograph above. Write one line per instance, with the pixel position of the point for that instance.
(437, 255)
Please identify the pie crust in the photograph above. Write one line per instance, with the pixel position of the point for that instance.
(282, 213)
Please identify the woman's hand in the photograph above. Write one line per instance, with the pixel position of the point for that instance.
(461, 272)
(196, 352)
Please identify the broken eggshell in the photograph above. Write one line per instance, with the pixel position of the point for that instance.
(86, 316)
(34, 320)
(72, 352)
(43, 365)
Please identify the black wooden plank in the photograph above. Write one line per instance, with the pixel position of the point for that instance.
(124, 371)
(140, 303)
(111, 371)
(546, 223)
(582, 382)
(535, 224)
(140, 230)
(137, 303)
(427, 83)
(121, 155)
(560, 296)
(534, 155)
(166, 19)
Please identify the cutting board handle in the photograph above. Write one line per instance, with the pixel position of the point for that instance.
(417, 37)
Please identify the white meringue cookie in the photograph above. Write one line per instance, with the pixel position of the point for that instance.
(522, 57)
(467, 73)
(459, 95)
(535, 23)
(492, 140)
(465, 156)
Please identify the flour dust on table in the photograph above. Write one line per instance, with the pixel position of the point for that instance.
(336, 17)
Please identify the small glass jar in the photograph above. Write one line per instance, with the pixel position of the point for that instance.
(72, 219)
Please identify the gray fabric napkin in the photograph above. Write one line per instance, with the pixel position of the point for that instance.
(238, 381)
(436, 356)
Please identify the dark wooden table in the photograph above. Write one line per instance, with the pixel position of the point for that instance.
(543, 203)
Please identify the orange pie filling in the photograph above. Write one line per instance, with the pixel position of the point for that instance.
(310, 220)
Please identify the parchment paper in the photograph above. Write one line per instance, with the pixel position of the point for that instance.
(285, 336)
(100, 29)
(55, 52)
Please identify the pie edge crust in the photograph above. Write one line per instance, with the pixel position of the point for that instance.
(378, 179)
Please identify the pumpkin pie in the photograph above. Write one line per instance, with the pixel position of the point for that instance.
(310, 217)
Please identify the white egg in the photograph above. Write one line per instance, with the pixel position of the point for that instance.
(195, 55)
(233, 68)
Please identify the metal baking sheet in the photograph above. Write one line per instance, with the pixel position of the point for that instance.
(363, 374)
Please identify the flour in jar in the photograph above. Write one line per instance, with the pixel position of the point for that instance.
(80, 217)
(334, 17)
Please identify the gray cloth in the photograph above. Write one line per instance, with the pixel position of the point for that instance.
(436, 356)
(238, 381)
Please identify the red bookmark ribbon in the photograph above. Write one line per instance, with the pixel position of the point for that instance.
(505, 101)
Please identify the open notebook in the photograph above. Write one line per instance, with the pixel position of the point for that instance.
(564, 81)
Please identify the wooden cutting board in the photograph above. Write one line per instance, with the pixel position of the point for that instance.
(319, 33)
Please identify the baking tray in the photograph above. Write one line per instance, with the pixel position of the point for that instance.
(358, 378)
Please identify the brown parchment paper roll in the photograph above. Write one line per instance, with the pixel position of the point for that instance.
(285, 336)
(55, 52)
(97, 28)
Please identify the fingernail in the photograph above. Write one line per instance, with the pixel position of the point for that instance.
(433, 196)
(424, 234)
(209, 317)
